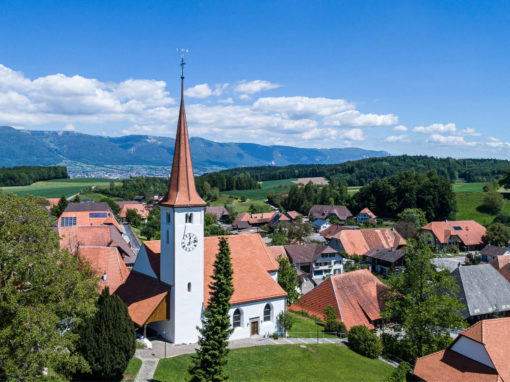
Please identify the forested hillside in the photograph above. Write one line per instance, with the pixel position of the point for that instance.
(25, 175)
(362, 172)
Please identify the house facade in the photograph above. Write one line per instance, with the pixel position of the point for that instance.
(466, 235)
(320, 225)
(365, 216)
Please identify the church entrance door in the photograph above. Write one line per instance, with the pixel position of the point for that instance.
(254, 325)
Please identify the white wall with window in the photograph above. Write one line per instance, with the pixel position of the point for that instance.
(259, 315)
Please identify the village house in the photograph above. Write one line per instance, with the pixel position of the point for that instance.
(220, 213)
(87, 214)
(168, 289)
(317, 260)
(502, 265)
(355, 296)
(365, 216)
(360, 241)
(381, 260)
(466, 235)
(483, 291)
(320, 225)
(490, 252)
(293, 215)
(254, 220)
(333, 229)
(323, 212)
(480, 353)
(304, 280)
(278, 218)
(140, 209)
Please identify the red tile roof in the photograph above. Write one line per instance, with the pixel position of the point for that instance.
(252, 261)
(356, 297)
(142, 296)
(138, 207)
(468, 231)
(331, 231)
(293, 214)
(368, 212)
(360, 241)
(493, 335)
(277, 251)
(109, 260)
(182, 191)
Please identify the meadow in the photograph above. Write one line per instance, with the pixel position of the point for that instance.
(277, 186)
(58, 187)
(310, 363)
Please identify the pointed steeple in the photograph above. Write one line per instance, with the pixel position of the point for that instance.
(182, 191)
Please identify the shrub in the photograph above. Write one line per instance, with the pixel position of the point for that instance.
(285, 321)
(274, 336)
(492, 203)
(400, 373)
(243, 198)
(364, 342)
(452, 249)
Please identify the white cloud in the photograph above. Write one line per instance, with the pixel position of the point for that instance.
(436, 128)
(303, 105)
(199, 91)
(228, 100)
(450, 140)
(497, 143)
(469, 132)
(355, 118)
(245, 97)
(400, 128)
(256, 86)
(70, 127)
(353, 134)
(397, 139)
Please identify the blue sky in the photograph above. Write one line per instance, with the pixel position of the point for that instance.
(421, 77)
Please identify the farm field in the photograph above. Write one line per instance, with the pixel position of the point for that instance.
(326, 362)
(467, 203)
(242, 206)
(58, 187)
(277, 186)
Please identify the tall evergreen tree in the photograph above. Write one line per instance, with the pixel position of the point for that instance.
(287, 278)
(60, 207)
(108, 340)
(208, 363)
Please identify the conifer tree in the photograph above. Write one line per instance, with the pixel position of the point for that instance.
(58, 209)
(287, 278)
(108, 340)
(208, 363)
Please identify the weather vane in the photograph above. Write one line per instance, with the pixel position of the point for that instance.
(182, 60)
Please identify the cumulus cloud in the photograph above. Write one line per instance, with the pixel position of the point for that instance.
(256, 86)
(198, 91)
(440, 128)
(356, 118)
(400, 128)
(303, 106)
(397, 139)
(450, 140)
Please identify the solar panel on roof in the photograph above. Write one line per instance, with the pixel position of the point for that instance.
(457, 228)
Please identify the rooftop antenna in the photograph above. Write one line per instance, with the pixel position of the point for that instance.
(183, 51)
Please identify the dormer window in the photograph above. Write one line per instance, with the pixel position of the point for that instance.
(189, 217)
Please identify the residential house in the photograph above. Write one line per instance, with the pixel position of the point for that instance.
(356, 297)
(381, 260)
(323, 212)
(254, 219)
(466, 235)
(318, 260)
(220, 213)
(366, 215)
(479, 354)
(278, 218)
(108, 264)
(319, 225)
(305, 282)
(360, 241)
(502, 265)
(87, 214)
(169, 289)
(140, 209)
(333, 229)
(483, 291)
(293, 215)
(490, 252)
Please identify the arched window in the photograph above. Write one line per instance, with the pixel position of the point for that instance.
(189, 287)
(267, 312)
(236, 322)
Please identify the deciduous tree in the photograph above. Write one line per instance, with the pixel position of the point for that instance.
(497, 234)
(287, 278)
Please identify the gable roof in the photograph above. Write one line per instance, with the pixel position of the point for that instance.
(138, 207)
(449, 364)
(502, 264)
(483, 289)
(468, 231)
(218, 212)
(332, 230)
(356, 297)
(252, 262)
(390, 255)
(360, 241)
(182, 191)
(277, 251)
(306, 253)
(88, 207)
(368, 212)
(323, 211)
(293, 214)
(106, 260)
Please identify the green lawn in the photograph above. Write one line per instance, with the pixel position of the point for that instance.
(132, 369)
(58, 187)
(467, 202)
(306, 327)
(241, 206)
(468, 187)
(325, 362)
(277, 186)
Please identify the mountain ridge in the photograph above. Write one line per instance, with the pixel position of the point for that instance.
(79, 151)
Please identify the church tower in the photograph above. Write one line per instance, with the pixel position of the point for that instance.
(182, 240)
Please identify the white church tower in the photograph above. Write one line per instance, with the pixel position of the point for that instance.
(182, 241)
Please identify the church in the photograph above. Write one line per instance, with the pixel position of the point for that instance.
(168, 287)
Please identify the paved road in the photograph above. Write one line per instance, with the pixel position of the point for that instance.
(132, 238)
(151, 357)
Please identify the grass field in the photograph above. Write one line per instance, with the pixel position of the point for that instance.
(277, 186)
(306, 327)
(241, 206)
(467, 203)
(58, 187)
(132, 369)
(468, 187)
(313, 363)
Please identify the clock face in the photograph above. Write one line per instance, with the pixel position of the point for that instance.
(189, 242)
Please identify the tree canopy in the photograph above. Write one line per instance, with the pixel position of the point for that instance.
(497, 234)
(287, 278)
(25, 175)
(46, 293)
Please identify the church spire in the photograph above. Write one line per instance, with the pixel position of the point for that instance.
(182, 191)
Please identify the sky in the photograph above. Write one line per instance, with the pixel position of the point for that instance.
(413, 77)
